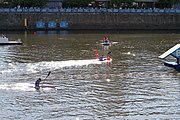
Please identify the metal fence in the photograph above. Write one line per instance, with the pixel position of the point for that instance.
(88, 10)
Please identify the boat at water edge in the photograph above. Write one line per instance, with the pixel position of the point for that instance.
(174, 52)
(5, 41)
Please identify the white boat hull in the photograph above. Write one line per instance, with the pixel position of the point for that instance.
(6, 41)
(11, 43)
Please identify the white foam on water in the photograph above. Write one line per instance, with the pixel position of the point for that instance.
(60, 64)
(114, 42)
(18, 86)
(18, 70)
(129, 53)
(24, 87)
(108, 80)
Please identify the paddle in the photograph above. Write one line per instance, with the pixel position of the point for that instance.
(47, 75)
(109, 52)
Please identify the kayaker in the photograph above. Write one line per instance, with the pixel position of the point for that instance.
(37, 87)
(101, 58)
(106, 39)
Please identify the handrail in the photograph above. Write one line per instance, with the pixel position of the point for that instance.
(87, 10)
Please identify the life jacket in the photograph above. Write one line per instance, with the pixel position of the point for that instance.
(101, 58)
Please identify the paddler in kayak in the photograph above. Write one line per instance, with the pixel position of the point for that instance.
(108, 58)
(37, 87)
(101, 58)
(106, 40)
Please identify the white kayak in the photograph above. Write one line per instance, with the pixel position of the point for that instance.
(106, 43)
(105, 60)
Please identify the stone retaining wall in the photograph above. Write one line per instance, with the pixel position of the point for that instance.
(90, 21)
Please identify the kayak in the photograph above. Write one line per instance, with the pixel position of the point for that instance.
(105, 60)
(46, 86)
(106, 43)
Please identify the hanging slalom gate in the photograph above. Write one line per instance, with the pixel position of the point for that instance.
(52, 25)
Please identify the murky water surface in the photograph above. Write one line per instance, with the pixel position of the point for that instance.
(135, 85)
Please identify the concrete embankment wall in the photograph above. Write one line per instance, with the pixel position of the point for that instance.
(119, 21)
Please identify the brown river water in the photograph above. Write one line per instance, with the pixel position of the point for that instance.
(135, 85)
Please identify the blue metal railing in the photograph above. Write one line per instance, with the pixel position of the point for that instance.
(89, 10)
